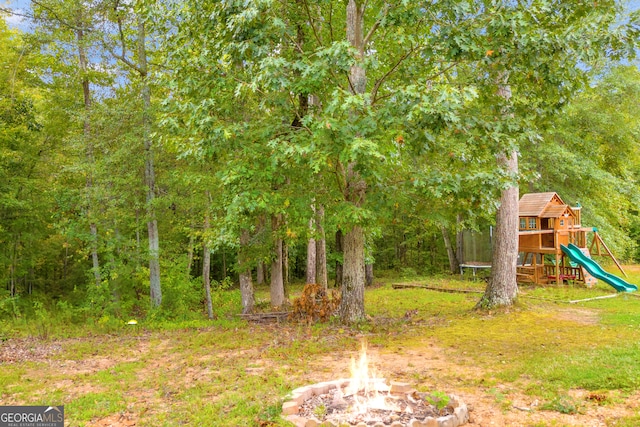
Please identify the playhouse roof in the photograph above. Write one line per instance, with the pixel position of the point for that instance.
(544, 205)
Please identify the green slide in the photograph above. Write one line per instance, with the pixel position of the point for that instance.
(576, 255)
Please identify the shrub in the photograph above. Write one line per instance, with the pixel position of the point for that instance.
(314, 304)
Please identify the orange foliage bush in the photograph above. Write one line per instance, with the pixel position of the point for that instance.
(314, 304)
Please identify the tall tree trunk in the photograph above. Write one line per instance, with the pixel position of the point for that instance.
(260, 273)
(303, 96)
(340, 252)
(355, 36)
(285, 270)
(206, 278)
(65, 262)
(311, 254)
(206, 265)
(502, 289)
(277, 279)
(368, 274)
(353, 274)
(138, 255)
(12, 268)
(459, 241)
(321, 249)
(451, 254)
(149, 172)
(246, 286)
(262, 269)
(190, 250)
(352, 303)
(86, 92)
(12, 281)
(224, 263)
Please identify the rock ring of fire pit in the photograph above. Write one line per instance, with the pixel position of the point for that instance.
(291, 410)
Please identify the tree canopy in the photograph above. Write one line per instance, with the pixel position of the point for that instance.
(134, 136)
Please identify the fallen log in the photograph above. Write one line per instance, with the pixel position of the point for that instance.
(434, 288)
(276, 316)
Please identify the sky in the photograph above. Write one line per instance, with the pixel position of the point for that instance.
(15, 21)
(18, 22)
(22, 24)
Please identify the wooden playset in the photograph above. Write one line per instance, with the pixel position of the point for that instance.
(553, 243)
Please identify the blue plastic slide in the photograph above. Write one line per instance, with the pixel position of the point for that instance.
(576, 255)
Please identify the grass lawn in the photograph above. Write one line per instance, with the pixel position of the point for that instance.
(544, 362)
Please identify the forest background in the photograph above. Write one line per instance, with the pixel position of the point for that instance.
(153, 155)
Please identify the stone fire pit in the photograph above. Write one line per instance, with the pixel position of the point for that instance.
(300, 409)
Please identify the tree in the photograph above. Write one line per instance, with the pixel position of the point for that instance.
(74, 22)
(393, 120)
(369, 88)
(401, 70)
(93, 30)
(23, 150)
(38, 198)
(546, 75)
(254, 179)
(246, 286)
(140, 66)
(321, 249)
(277, 265)
(502, 288)
(83, 64)
(353, 275)
(206, 262)
(311, 253)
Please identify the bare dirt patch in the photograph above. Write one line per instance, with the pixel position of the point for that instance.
(432, 368)
(28, 349)
(125, 419)
(422, 363)
(582, 316)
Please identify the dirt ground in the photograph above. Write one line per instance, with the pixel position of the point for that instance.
(491, 404)
(496, 405)
(500, 404)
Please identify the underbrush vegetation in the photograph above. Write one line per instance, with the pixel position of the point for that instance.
(175, 367)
